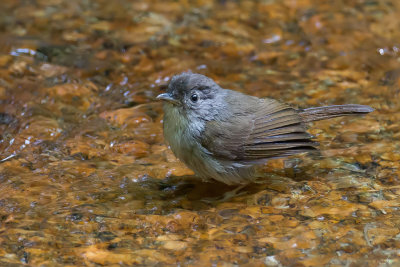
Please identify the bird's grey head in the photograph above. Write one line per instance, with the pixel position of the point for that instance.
(193, 94)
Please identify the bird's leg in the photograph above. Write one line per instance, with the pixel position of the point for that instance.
(227, 195)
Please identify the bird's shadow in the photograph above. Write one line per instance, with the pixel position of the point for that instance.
(193, 193)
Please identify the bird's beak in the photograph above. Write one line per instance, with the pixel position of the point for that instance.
(168, 97)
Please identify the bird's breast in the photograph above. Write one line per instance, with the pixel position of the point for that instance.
(181, 134)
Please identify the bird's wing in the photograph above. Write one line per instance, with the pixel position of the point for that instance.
(257, 129)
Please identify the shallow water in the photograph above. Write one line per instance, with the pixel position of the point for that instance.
(85, 176)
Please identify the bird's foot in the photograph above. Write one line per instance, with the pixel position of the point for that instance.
(227, 195)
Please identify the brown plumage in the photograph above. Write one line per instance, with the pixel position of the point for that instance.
(267, 128)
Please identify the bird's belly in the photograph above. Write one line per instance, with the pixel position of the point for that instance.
(207, 167)
(185, 147)
(193, 155)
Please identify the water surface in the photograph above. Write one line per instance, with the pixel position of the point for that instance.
(85, 176)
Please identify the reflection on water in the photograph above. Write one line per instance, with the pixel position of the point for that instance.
(85, 177)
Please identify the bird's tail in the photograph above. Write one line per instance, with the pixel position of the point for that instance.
(322, 113)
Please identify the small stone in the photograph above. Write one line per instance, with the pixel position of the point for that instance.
(175, 245)
(271, 261)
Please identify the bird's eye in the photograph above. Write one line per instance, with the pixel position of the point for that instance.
(194, 98)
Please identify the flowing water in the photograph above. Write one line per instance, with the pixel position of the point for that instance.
(85, 176)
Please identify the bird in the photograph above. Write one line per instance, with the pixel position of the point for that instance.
(225, 135)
